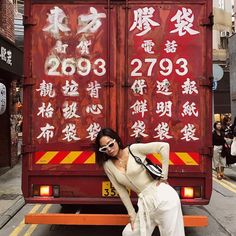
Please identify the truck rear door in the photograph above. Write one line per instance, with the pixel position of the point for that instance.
(140, 68)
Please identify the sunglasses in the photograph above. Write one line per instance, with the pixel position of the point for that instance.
(109, 145)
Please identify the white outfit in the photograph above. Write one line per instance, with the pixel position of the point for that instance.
(159, 205)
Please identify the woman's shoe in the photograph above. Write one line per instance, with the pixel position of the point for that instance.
(222, 176)
(219, 176)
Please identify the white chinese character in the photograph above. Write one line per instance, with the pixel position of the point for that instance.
(147, 45)
(47, 132)
(93, 130)
(70, 89)
(69, 111)
(46, 111)
(139, 107)
(60, 47)
(9, 57)
(94, 109)
(70, 133)
(143, 21)
(163, 131)
(92, 21)
(164, 108)
(163, 87)
(93, 89)
(46, 89)
(138, 86)
(138, 129)
(56, 20)
(189, 87)
(84, 46)
(189, 109)
(171, 47)
(3, 54)
(184, 20)
(189, 133)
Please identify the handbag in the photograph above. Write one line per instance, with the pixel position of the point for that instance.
(153, 169)
(233, 147)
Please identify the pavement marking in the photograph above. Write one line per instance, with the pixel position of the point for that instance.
(225, 181)
(19, 228)
(226, 184)
(33, 227)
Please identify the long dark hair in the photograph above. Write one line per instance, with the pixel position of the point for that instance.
(216, 123)
(102, 157)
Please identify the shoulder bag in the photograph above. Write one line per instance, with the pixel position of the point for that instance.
(233, 147)
(154, 170)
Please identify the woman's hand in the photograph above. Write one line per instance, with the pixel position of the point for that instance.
(132, 220)
(132, 224)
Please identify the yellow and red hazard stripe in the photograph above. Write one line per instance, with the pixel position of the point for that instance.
(87, 157)
(65, 157)
(178, 158)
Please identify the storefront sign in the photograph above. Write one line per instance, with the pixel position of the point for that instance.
(3, 98)
(11, 57)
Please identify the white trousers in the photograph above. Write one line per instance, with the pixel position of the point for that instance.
(158, 206)
(218, 160)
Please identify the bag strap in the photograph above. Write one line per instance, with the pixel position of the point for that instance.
(137, 159)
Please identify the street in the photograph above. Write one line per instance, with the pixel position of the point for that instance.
(220, 212)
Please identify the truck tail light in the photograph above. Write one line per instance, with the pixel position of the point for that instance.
(46, 190)
(190, 192)
(187, 192)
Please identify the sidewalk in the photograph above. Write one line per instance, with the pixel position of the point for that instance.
(230, 172)
(11, 199)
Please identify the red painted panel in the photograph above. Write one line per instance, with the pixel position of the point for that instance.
(69, 67)
(166, 60)
(116, 43)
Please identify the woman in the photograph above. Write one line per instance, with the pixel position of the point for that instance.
(158, 202)
(226, 126)
(218, 144)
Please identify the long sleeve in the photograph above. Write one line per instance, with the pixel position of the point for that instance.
(155, 147)
(123, 193)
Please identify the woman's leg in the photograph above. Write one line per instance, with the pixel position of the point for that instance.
(136, 232)
(216, 160)
(168, 215)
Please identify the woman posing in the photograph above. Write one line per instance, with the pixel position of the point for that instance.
(158, 203)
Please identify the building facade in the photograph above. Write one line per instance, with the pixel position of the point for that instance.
(232, 59)
(11, 65)
(222, 30)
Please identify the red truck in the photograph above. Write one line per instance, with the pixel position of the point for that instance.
(143, 68)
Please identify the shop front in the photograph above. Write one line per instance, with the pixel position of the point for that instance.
(11, 71)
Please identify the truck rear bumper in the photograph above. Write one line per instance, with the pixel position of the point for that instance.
(99, 201)
(100, 219)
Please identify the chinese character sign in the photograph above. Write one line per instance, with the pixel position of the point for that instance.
(69, 68)
(164, 67)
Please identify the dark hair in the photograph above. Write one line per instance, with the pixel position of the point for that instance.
(216, 123)
(102, 157)
(226, 119)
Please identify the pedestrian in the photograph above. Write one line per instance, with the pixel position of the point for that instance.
(218, 144)
(226, 126)
(158, 203)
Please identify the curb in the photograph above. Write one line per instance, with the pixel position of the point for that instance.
(8, 214)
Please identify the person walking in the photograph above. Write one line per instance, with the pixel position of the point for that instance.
(226, 126)
(218, 144)
(158, 203)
